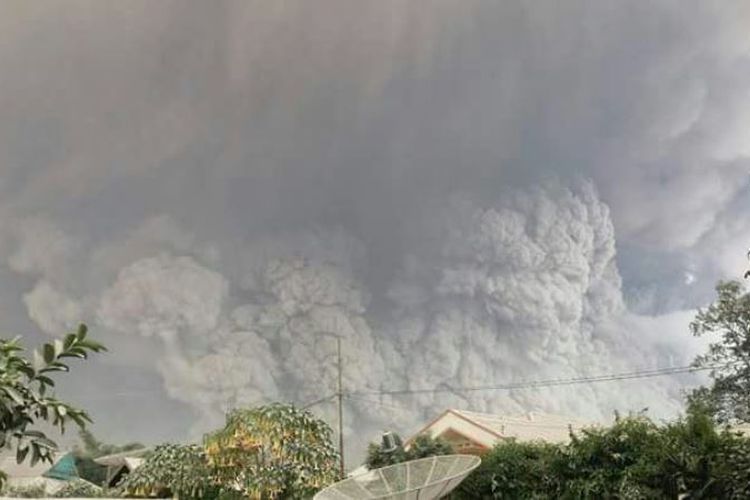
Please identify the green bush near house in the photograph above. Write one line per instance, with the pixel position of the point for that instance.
(633, 459)
(422, 446)
(512, 470)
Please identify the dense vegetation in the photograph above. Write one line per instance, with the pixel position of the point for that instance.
(268, 452)
(172, 469)
(727, 323)
(274, 451)
(421, 447)
(633, 459)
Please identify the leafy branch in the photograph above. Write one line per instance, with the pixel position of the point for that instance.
(26, 393)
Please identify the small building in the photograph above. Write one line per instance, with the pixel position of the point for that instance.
(476, 433)
(120, 465)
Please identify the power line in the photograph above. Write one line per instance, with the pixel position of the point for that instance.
(511, 422)
(317, 402)
(533, 384)
(380, 403)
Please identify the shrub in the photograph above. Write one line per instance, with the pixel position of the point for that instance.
(512, 470)
(633, 459)
(422, 446)
(30, 491)
(79, 489)
(171, 469)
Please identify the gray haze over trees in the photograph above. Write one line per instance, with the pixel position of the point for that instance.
(466, 192)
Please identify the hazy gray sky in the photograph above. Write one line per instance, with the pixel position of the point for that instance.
(468, 191)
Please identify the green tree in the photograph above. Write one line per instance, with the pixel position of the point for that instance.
(633, 459)
(270, 452)
(25, 399)
(378, 456)
(621, 461)
(727, 322)
(422, 446)
(172, 469)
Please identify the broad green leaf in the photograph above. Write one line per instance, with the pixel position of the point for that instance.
(48, 351)
(59, 347)
(46, 443)
(35, 455)
(14, 395)
(21, 453)
(70, 339)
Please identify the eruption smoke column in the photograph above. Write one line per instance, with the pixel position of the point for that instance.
(214, 185)
(522, 285)
(520, 288)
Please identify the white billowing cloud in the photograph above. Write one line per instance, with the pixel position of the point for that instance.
(239, 368)
(526, 288)
(53, 311)
(164, 296)
(220, 351)
(520, 286)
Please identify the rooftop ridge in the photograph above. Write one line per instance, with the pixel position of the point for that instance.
(537, 417)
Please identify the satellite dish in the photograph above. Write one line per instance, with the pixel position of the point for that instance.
(423, 479)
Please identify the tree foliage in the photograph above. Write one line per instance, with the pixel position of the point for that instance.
(633, 459)
(512, 470)
(728, 321)
(274, 451)
(80, 489)
(26, 397)
(172, 469)
(422, 446)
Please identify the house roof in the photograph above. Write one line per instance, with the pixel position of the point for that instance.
(64, 469)
(486, 428)
(131, 459)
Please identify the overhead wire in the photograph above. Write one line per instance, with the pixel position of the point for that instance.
(318, 401)
(391, 406)
(533, 384)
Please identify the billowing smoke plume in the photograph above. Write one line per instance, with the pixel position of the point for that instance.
(223, 189)
(521, 286)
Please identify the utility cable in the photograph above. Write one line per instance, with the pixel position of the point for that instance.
(533, 384)
(318, 401)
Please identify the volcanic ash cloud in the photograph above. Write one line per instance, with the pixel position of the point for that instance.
(520, 286)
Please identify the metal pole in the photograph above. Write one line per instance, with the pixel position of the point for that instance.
(340, 395)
